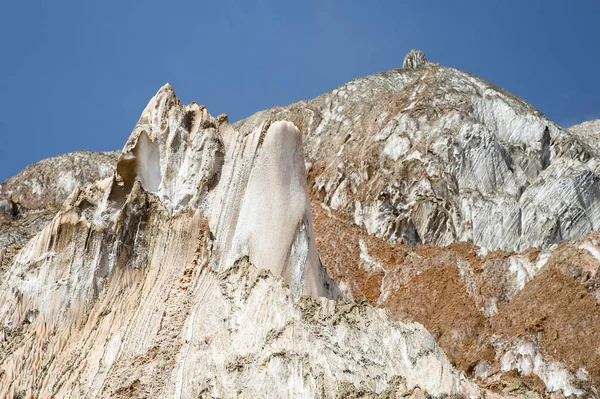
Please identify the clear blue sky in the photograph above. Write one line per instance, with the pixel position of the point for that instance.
(76, 74)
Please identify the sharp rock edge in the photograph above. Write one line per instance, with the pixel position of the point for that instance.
(143, 285)
(414, 59)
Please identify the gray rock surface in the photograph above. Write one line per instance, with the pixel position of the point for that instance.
(435, 155)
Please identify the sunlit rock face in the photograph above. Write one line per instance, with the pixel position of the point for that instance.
(175, 152)
(193, 272)
(30, 199)
(414, 59)
(251, 186)
(435, 155)
(589, 132)
(262, 210)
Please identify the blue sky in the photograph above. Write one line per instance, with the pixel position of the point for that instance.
(76, 74)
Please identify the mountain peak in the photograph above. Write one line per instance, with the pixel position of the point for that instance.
(415, 59)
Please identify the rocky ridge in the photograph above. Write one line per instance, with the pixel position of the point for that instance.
(589, 132)
(145, 285)
(434, 155)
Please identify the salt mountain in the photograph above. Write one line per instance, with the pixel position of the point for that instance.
(190, 267)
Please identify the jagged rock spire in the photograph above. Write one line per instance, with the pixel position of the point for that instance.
(414, 59)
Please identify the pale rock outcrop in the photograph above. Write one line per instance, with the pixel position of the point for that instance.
(174, 151)
(262, 208)
(251, 186)
(414, 59)
(145, 285)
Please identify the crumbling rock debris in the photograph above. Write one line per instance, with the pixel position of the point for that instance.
(414, 59)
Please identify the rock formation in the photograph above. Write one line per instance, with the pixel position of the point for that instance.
(434, 155)
(46, 184)
(195, 265)
(29, 200)
(414, 59)
(589, 132)
(179, 276)
(497, 315)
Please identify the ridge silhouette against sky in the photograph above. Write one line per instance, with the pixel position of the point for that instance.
(76, 75)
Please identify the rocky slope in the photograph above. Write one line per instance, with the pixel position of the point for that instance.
(30, 199)
(181, 276)
(497, 315)
(435, 155)
(432, 155)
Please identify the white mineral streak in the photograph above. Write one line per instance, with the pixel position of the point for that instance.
(525, 356)
(144, 284)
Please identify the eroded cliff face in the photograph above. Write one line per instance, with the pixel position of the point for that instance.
(434, 155)
(193, 272)
(517, 323)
